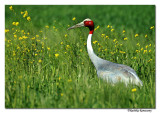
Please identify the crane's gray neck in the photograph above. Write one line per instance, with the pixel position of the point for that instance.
(94, 58)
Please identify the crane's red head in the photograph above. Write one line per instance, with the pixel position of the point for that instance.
(87, 23)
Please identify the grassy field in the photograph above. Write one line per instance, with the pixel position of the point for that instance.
(47, 66)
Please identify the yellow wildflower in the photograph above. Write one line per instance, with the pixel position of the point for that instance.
(102, 35)
(22, 12)
(61, 94)
(37, 36)
(125, 38)
(33, 38)
(94, 42)
(13, 23)
(39, 60)
(68, 46)
(107, 37)
(11, 8)
(112, 30)
(105, 49)
(25, 14)
(152, 27)
(137, 51)
(61, 43)
(149, 60)
(54, 27)
(6, 30)
(14, 53)
(18, 47)
(20, 38)
(17, 23)
(59, 78)
(96, 28)
(122, 52)
(15, 36)
(134, 57)
(134, 90)
(138, 44)
(108, 26)
(47, 26)
(24, 37)
(136, 35)
(114, 40)
(149, 50)
(146, 36)
(56, 55)
(123, 31)
(65, 35)
(74, 18)
(80, 50)
(145, 51)
(150, 45)
(141, 49)
(28, 18)
(48, 48)
(36, 54)
(146, 46)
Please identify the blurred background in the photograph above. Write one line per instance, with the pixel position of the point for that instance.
(136, 17)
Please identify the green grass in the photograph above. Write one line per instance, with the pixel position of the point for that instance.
(36, 78)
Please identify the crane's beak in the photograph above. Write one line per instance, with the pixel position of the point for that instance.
(77, 25)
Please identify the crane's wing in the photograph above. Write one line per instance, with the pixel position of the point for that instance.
(113, 72)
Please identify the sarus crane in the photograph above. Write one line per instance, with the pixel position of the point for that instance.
(109, 71)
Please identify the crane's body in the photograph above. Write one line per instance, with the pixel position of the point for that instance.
(109, 71)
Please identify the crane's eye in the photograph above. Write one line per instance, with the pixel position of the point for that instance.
(87, 23)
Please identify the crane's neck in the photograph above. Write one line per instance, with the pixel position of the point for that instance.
(94, 58)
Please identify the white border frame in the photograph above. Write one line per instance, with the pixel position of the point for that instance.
(73, 2)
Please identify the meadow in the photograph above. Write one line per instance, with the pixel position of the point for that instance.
(47, 66)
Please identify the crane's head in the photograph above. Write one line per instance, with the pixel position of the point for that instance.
(87, 23)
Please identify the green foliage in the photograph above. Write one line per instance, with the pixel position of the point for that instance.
(47, 66)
